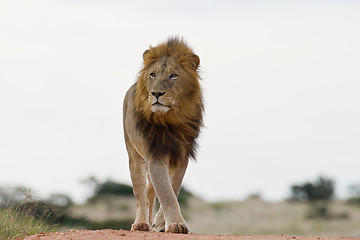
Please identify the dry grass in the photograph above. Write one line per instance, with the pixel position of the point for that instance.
(256, 217)
(15, 224)
(108, 208)
(250, 217)
(17, 216)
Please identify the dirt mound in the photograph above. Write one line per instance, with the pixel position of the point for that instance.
(127, 235)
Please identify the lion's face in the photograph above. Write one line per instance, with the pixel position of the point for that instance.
(163, 82)
(168, 89)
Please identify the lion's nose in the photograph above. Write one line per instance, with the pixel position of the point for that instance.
(157, 94)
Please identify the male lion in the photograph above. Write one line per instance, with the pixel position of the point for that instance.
(162, 119)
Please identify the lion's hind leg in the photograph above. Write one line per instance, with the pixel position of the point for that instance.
(151, 195)
(159, 222)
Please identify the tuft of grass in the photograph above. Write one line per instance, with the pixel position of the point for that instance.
(15, 224)
(17, 220)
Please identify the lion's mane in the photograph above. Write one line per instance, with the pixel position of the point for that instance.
(173, 133)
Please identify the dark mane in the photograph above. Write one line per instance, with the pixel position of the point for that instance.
(170, 140)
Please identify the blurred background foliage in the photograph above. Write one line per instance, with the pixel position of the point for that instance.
(311, 209)
(318, 195)
(322, 189)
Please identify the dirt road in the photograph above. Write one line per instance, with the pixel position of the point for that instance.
(127, 235)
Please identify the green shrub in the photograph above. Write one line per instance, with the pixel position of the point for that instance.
(318, 194)
(113, 188)
(320, 190)
(109, 187)
(318, 210)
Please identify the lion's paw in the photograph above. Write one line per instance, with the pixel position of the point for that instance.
(140, 227)
(177, 228)
(159, 226)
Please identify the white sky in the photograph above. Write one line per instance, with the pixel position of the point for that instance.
(281, 83)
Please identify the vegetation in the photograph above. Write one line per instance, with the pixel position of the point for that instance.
(15, 224)
(318, 195)
(321, 190)
(258, 217)
(59, 210)
(312, 211)
(107, 188)
(355, 195)
(184, 196)
(17, 214)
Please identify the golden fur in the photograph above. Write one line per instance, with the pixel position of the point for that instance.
(185, 117)
(189, 62)
(162, 120)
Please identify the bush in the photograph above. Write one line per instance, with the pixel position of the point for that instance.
(113, 188)
(318, 194)
(320, 190)
(318, 210)
(109, 187)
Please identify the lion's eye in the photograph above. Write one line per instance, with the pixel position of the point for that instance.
(173, 76)
(152, 75)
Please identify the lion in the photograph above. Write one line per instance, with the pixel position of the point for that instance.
(162, 118)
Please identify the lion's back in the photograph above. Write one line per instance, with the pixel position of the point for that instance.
(128, 101)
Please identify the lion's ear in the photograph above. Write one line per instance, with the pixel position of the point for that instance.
(196, 60)
(146, 53)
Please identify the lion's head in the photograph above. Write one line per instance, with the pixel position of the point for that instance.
(168, 89)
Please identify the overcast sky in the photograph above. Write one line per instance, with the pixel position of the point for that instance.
(281, 82)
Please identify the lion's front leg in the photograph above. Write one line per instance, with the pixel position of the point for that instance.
(176, 177)
(138, 178)
(159, 174)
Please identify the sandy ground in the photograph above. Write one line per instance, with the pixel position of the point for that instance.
(127, 235)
